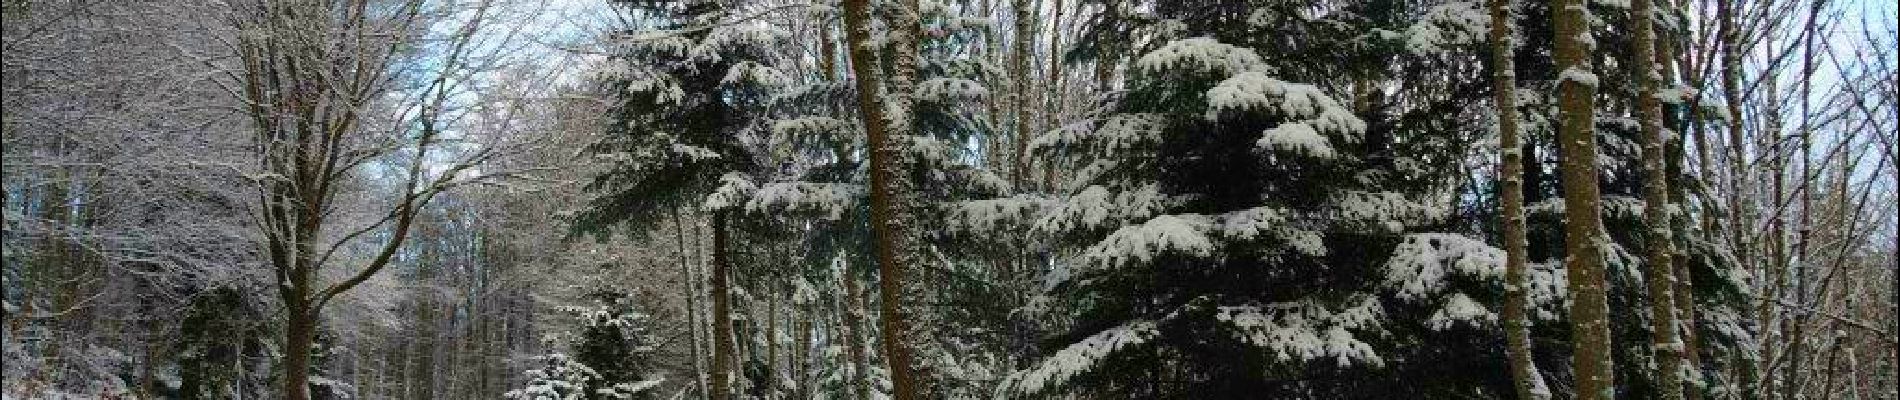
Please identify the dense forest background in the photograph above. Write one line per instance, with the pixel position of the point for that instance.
(620, 199)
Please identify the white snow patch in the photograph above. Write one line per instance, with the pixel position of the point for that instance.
(1580, 76)
(1180, 234)
(1082, 356)
(1449, 24)
(1306, 330)
(1200, 54)
(949, 90)
(1295, 137)
(1423, 262)
(827, 200)
(733, 191)
(1458, 309)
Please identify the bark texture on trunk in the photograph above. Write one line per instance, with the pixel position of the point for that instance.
(853, 339)
(691, 288)
(1660, 273)
(1517, 328)
(1730, 32)
(827, 51)
(1684, 295)
(299, 331)
(852, 316)
(1019, 98)
(722, 309)
(1741, 229)
(1593, 367)
(886, 167)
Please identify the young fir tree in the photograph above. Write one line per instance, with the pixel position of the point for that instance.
(611, 356)
(211, 342)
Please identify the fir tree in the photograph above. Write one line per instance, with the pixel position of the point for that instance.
(689, 81)
(610, 355)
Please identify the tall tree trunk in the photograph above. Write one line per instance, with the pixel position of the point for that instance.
(771, 338)
(802, 358)
(1056, 101)
(1583, 238)
(895, 238)
(853, 334)
(1738, 225)
(1683, 291)
(722, 309)
(1660, 274)
(1517, 330)
(853, 318)
(887, 223)
(1797, 343)
(1019, 98)
(299, 331)
(827, 50)
(300, 315)
(1773, 145)
(691, 287)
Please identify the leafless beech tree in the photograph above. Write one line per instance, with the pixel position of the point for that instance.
(337, 89)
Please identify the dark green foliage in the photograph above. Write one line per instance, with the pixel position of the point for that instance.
(610, 355)
(218, 333)
(614, 340)
(1209, 161)
(675, 127)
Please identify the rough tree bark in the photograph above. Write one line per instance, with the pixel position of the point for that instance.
(691, 288)
(1684, 293)
(1738, 225)
(853, 331)
(722, 309)
(886, 178)
(1583, 228)
(1019, 97)
(1517, 331)
(1660, 274)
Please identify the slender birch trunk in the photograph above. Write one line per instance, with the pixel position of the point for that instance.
(1797, 344)
(1773, 145)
